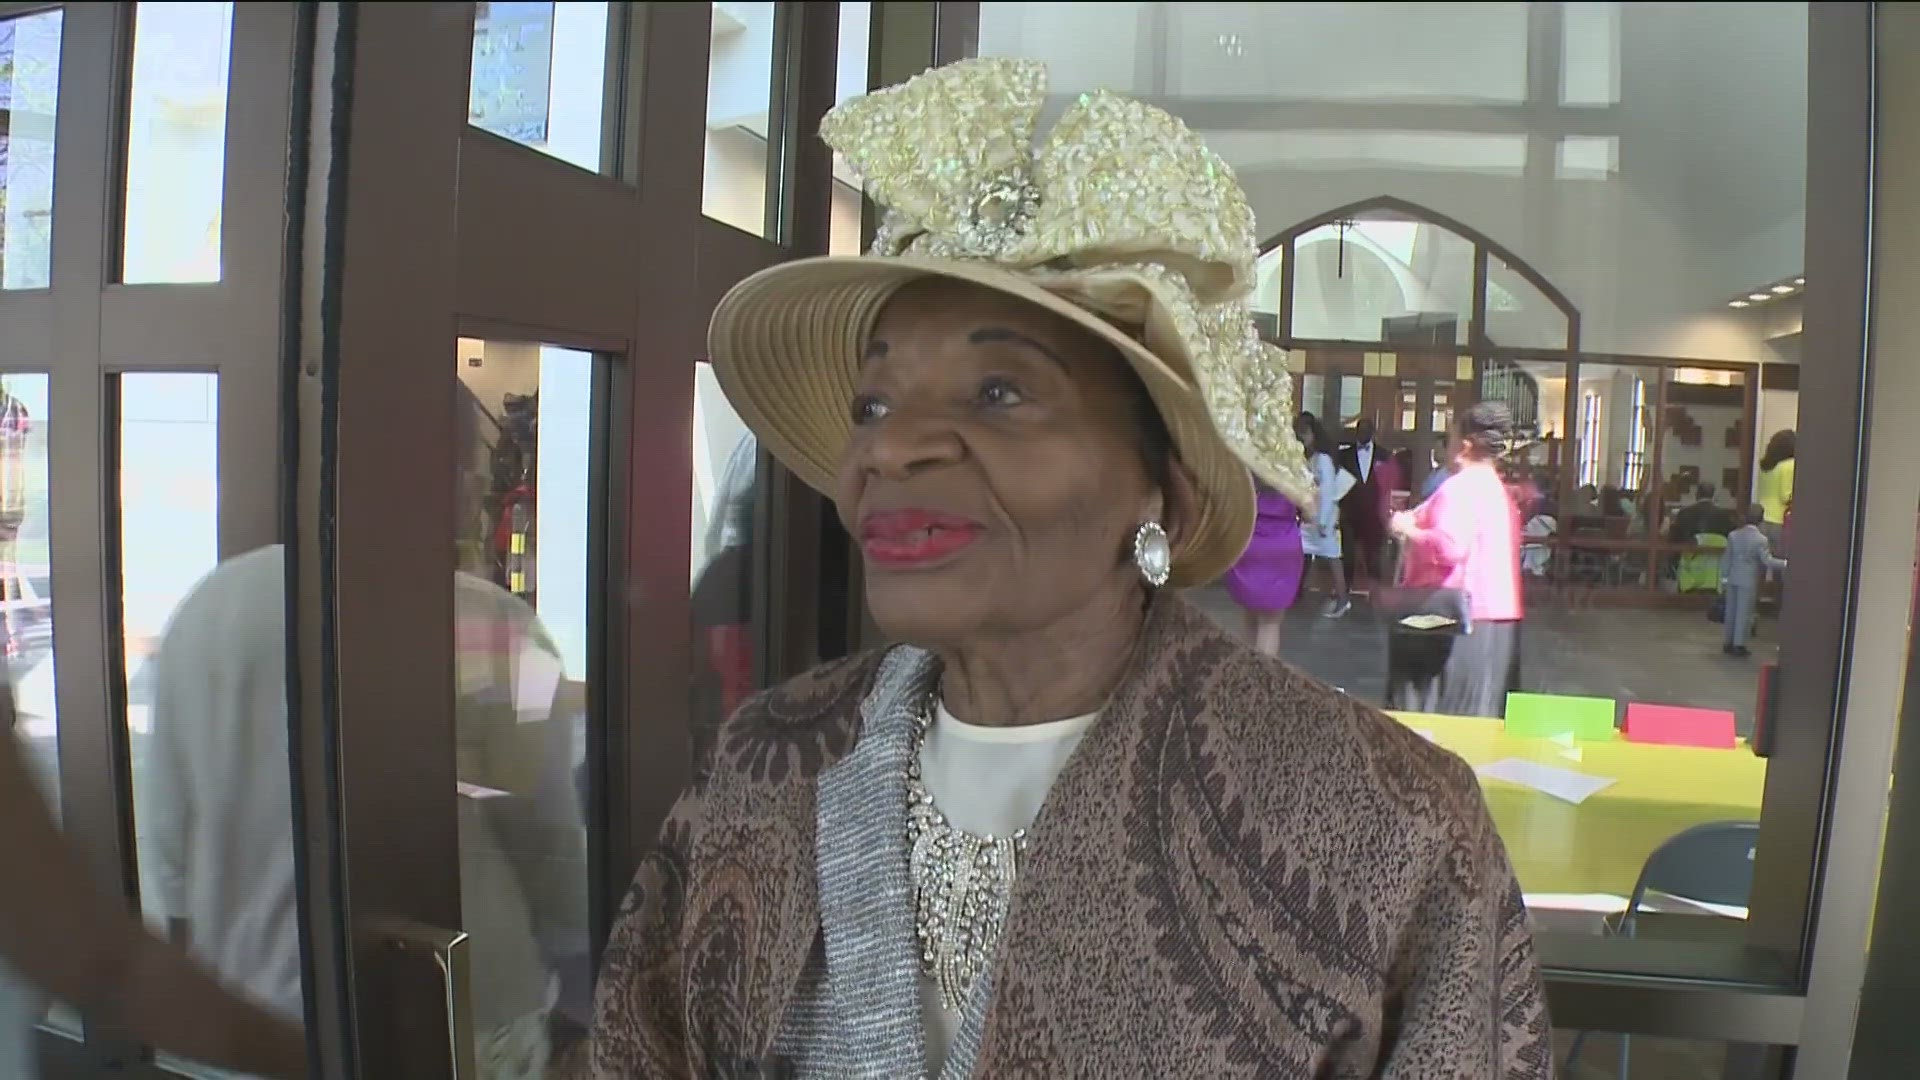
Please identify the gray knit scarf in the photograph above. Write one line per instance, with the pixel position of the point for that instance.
(856, 1010)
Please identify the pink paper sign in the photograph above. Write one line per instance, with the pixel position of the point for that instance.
(1673, 725)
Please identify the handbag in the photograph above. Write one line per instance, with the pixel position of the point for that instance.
(1426, 609)
(1717, 611)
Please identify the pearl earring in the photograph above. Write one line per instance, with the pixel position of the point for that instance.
(1153, 553)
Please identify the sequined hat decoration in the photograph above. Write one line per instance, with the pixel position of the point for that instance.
(1120, 218)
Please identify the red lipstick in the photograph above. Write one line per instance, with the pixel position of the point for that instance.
(912, 538)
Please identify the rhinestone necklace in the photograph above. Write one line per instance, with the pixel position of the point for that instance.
(962, 884)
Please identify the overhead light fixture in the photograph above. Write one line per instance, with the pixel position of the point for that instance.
(1799, 281)
(1782, 290)
(1736, 303)
(1757, 297)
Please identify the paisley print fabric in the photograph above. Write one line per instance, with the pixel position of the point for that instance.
(1240, 873)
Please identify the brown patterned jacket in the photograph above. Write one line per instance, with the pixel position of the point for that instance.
(1241, 872)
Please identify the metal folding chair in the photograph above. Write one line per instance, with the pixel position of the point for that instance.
(1708, 864)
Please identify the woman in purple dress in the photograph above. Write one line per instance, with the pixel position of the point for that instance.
(1266, 580)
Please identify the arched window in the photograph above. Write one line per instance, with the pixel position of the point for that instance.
(1386, 271)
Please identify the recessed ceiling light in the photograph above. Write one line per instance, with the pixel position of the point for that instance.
(1756, 297)
(1736, 303)
(1782, 290)
(1799, 281)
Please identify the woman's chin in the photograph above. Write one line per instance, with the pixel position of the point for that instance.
(929, 610)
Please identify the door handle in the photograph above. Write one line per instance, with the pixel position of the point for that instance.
(448, 951)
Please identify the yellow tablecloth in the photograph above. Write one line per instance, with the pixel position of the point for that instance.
(1599, 845)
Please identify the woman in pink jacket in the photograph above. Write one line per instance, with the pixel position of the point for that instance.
(1466, 538)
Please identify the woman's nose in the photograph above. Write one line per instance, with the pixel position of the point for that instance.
(905, 444)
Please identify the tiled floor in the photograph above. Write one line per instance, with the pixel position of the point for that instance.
(1666, 656)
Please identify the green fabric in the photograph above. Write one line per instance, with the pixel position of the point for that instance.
(1700, 570)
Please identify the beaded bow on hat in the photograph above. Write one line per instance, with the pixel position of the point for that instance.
(1121, 218)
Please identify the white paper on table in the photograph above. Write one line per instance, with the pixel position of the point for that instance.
(1563, 784)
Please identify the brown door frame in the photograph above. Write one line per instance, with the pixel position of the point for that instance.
(83, 332)
(419, 256)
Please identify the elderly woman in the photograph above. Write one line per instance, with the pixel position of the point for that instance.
(1067, 826)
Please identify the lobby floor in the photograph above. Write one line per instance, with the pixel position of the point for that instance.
(1666, 656)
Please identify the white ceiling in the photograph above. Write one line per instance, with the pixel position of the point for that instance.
(1671, 133)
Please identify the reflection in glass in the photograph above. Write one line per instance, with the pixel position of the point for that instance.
(26, 575)
(29, 95)
(739, 99)
(539, 77)
(1606, 1055)
(176, 147)
(1590, 53)
(521, 546)
(1519, 315)
(1600, 463)
(850, 80)
(1382, 277)
(169, 520)
(726, 477)
(1267, 51)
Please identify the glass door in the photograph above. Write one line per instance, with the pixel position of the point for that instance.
(1535, 250)
(506, 424)
(143, 198)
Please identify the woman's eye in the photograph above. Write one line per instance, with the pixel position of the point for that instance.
(867, 408)
(1000, 393)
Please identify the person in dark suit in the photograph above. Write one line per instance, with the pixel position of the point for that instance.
(1368, 505)
(1704, 516)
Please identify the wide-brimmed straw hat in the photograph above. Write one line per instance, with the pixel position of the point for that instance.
(1122, 222)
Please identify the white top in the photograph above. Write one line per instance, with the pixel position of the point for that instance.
(987, 780)
(215, 803)
(1365, 454)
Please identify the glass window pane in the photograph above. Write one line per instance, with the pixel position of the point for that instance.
(176, 148)
(521, 547)
(1382, 277)
(1519, 315)
(850, 80)
(1634, 689)
(739, 100)
(539, 77)
(26, 575)
(29, 97)
(726, 496)
(1590, 59)
(1607, 1055)
(169, 521)
(1615, 444)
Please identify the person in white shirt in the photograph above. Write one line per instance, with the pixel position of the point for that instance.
(215, 802)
